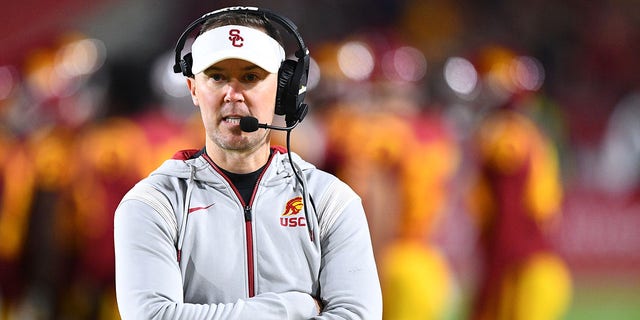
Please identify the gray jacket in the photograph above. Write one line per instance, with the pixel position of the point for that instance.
(187, 247)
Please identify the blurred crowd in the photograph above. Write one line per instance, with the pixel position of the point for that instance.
(466, 129)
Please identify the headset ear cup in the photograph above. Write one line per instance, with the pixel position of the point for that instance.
(285, 73)
(185, 65)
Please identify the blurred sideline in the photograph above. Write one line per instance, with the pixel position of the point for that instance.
(497, 161)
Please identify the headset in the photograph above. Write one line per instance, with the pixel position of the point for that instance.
(292, 74)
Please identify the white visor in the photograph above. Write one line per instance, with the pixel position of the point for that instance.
(236, 42)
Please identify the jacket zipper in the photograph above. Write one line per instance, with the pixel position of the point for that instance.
(248, 226)
(249, 236)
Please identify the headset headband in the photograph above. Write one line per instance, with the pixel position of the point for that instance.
(283, 21)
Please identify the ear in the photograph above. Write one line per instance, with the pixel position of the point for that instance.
(191, 84)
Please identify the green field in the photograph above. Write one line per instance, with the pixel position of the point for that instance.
(594, 298)
(603, 299)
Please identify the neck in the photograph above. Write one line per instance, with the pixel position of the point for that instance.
(239, 161)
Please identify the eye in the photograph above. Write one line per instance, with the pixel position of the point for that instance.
(251, 77)
(216, 77)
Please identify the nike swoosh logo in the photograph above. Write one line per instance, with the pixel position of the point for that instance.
(194, 209)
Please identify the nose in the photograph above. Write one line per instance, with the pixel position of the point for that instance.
(233, 92)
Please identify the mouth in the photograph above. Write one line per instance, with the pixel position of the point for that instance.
(235, 120)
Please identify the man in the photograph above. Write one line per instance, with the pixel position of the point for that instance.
(238, 230)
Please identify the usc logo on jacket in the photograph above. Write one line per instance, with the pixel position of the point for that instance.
(289, 217)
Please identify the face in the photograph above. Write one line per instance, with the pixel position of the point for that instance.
(227, 91)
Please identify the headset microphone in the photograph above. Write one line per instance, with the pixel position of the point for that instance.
(250, 124)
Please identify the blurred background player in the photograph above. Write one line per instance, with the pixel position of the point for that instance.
(398, 150)
(515, 199)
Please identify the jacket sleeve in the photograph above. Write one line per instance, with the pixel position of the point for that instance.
(349, 284)
(149, 281)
